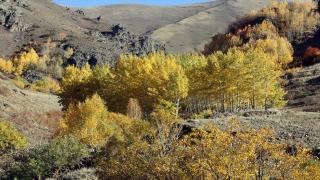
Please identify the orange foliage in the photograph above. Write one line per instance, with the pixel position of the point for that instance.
(62, 36)
(311, 52)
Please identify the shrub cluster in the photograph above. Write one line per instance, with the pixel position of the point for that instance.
(48, 160)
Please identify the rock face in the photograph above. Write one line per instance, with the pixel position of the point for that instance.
(10, 14)
(108, 46)
(32, 76)
(132, 43)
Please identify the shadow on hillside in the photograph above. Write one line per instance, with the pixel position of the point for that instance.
(314, 81)
(310, 39)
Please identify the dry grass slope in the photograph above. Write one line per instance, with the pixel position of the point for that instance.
(184, 28)
(33, 113)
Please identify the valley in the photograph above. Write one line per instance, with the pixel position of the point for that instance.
(226, 89)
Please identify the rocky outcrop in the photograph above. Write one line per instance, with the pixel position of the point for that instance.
(132, 43)
(10, 14)
(22, 3)
(79, 11)
(32, 76)
(109, 45)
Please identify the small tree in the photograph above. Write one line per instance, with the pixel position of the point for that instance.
(87, 121)
(10, 138)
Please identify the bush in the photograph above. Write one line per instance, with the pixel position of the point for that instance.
(209, 153)
(10, 138)
(48, 160)
(47, 35)
(88, 122)
(20, 82)
(45, 85)
(203, 115)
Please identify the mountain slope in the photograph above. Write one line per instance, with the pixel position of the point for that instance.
(184, 28)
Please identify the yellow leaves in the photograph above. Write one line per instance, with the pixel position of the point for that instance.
(293, 18)
(151, 77)
(240, 154)
(279, 50)
(74, 84)
(6, 66)
(239, 77)
(87, 122)
(10, 138)
(45, 84)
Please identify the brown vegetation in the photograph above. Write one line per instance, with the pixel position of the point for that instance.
(5, 91)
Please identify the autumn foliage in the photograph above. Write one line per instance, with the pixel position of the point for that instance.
(148, 79)
(10, 139)
(87, 122)
(208, 154)
(129, 116)
(296, 22)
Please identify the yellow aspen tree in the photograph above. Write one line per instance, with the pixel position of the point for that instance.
(87, 122)
(149, 78)
(32, 56)
(73, 85)
(6, 66)
(280, 49)
(3, 64)
(193, 65)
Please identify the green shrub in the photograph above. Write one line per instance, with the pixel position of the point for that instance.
(41, 85)
(20, 82)
(45, 85)
(47, 35)
(93, 21)
(47, 160)
(303, 95)
(203, 115)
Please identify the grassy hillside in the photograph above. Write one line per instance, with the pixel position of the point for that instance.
(158, 115)
(183, 28)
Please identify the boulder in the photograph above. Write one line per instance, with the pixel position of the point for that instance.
(79, 11)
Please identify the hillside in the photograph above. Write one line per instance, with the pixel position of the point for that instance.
(148, 117)
(183, 28)
(93, 41)
(34, 114)
(179, 29)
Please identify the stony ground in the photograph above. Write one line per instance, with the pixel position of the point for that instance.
(291, 127)
(304, 89)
